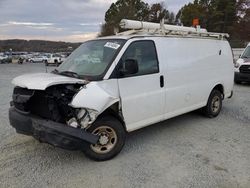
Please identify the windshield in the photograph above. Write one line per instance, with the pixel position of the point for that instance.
(246, 53)
(92, 58)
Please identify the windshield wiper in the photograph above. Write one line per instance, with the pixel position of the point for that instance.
(69, 73)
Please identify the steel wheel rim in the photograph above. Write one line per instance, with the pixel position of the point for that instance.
(107, 139)
(215, 104)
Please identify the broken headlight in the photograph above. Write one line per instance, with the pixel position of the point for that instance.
(84, 117)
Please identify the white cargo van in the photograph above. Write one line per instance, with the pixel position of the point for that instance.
(113, 85)
(242, 67)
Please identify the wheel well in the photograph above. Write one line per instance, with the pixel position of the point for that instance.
(220, 88)
(114, 111)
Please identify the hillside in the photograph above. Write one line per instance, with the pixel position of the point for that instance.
(36, 46)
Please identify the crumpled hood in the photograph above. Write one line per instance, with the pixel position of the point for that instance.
(40, 81)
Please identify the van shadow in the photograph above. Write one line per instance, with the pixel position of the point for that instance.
(164, 128)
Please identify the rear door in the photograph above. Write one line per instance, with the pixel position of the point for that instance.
(142, 94)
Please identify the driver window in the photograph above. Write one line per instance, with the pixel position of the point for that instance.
(144, 53)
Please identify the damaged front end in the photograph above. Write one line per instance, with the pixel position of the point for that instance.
(47, 116)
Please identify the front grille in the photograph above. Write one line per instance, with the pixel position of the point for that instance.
(245, 69)
(39, 105)
(22, 91)
(21, 97)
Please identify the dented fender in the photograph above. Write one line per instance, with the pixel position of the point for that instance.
(97, 96)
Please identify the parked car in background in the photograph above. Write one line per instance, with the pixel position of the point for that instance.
(242, 67)
(53, 59)
(5, 59)
(38, 59)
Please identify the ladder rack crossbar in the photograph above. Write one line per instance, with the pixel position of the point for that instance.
(147, 28)
(167, 32)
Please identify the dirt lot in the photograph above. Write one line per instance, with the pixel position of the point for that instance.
(187, 151)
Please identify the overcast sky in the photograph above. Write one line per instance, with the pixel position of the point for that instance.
(59, 20)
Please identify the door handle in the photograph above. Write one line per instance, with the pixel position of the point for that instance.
(162, 81)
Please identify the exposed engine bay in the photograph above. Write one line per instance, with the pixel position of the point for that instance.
(53, 104)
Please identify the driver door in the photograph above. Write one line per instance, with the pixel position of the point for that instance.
(142, 94)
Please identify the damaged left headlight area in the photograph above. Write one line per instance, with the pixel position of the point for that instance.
(53, 104)
(83, 119)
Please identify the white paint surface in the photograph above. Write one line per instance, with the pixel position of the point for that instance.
(40, 81)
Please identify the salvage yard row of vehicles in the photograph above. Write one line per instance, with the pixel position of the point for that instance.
(20, 57)
(114, 85)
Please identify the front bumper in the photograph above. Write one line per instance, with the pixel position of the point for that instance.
(50, 132)
(243, 77)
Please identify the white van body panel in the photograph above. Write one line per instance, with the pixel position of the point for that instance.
(41, 81)
(97, 96)
(142, 101)
(191, 68)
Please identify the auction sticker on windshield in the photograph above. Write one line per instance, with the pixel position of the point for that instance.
(112, 45)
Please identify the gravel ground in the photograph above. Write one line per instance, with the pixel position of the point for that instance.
(187, 151)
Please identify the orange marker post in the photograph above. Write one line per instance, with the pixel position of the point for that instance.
(196, 22)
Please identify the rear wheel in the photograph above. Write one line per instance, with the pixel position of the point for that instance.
(111, 139)
(214, 104)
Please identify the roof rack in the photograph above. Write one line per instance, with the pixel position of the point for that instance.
(148, 28)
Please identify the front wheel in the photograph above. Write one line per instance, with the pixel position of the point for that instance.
(214, 104)
(112, 137)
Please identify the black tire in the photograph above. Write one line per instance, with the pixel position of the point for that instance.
(111, 123)
(213, 109)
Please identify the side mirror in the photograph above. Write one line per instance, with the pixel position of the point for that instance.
(129, 66)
